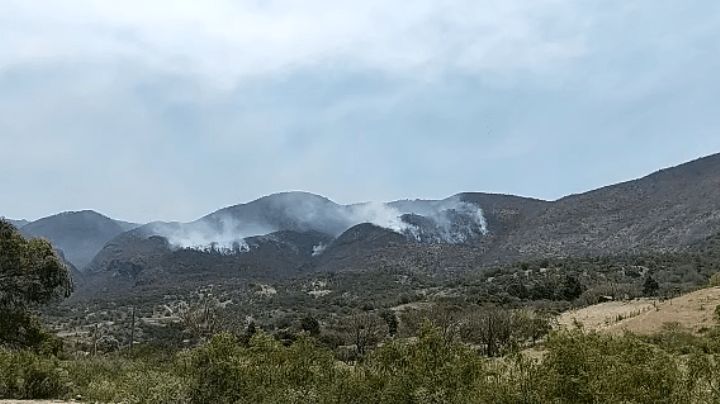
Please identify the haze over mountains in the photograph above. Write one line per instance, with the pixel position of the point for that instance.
(80, 235)
(291, 232)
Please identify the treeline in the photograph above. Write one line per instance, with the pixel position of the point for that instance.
(576, 367)
(494, 331)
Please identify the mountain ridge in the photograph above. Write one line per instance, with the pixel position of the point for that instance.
(79, 234)
(666, 210)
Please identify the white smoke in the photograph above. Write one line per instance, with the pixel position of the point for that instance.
(379, 214)
(448, 221)
(451, 220)
(318, 249)
(225, 236)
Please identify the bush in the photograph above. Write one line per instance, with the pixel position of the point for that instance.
(27, 375)
(431, 370)
(266, 371)
(672, 367)
(588, 368)
(714, 280)
(147, 375)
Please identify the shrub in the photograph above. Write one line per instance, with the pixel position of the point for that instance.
(714, 280)
(587, 368)
(266, 371)
(27, 375)
(148, 374)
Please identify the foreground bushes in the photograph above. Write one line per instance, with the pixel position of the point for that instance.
(576, 368)
(26, 374)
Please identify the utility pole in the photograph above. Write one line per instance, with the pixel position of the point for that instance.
(132, 329)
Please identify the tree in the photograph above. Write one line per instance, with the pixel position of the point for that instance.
(391, 320)
(364, 331)
(31, 274)
(650, 287)
(492, 328)
(714, 280)
(571, 288)
(203, 319)
(310, 325)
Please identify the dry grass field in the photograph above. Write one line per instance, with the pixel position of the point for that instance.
(693, 312)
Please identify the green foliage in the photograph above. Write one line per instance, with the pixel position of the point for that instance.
(147, 376)
(30, 271)
(590, 368)
(714, 280)
(391, 320)
(20, 329)
(28, 375)
(577, 367)
(310, 325)
(431, 370)
(266, 371)
(675, 340)
(650, 287)
(30, 274)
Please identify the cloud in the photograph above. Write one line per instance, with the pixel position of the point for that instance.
(167, 110)
(226, 41)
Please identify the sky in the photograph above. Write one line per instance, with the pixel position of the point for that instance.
(170, 109)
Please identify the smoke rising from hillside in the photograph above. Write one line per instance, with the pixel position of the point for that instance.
(446, 221)
(379, 214)
(226, 236)
(451, 221)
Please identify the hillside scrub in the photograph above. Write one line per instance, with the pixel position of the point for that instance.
(577, 367)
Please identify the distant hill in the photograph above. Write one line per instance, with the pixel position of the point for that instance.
(80, 235)
(17, 223)
(667, 211)
(664, 211)
(275, 236)
(132, 260)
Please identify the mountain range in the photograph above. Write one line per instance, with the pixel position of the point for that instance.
(292, 232)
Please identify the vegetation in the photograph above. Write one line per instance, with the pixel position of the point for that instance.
(30, 275)
(577, 367)
(381, 336)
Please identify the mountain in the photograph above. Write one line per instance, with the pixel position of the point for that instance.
(17, 223)
(228, 229)
(79, 235)
(281, 234)
(296, 226)
(77, 277)
(664, 211)
(367, 246)
(134, 261)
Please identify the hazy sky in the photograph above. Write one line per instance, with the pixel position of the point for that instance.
(170, 109)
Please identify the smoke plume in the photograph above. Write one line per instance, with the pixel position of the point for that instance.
(447, 221)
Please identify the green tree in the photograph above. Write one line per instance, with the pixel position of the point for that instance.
(310, 325)
(391, 320)
(650, 287)
(571, 288)
(31, 274)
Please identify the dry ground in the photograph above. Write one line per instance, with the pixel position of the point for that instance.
(693, 312)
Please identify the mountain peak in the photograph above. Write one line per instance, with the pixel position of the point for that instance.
(80, 234)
